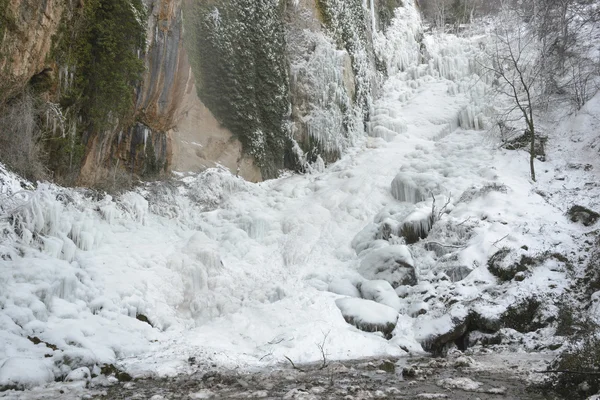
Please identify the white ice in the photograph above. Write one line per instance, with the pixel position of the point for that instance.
(242, 275)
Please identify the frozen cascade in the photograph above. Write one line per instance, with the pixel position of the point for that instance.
(77, 266)
(405, 189)
(373, 19)
(319, 78)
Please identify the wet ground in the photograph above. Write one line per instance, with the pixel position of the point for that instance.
(457, 378)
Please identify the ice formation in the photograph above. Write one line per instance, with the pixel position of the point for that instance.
(241, 274)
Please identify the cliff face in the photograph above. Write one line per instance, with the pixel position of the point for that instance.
(175, 131)
(26, 30)
(295, 89)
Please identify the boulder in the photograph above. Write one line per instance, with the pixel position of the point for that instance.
(434, 334)
(24, 373)
(381, 292)
(368, 315)
(392, 263)
(506, 263)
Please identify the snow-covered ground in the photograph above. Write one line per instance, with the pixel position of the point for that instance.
(242, 275)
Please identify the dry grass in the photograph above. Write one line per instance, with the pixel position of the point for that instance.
(21, 137)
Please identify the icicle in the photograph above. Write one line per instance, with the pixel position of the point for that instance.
(146, 133)
(373, 21)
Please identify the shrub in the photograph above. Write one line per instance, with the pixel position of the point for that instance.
(101, 44)
(582, 361)
(20, 136)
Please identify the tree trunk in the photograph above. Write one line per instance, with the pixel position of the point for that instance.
(532, 151)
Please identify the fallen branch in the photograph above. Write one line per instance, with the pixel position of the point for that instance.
(447, 245)
(294, 365)
(499, 240)
(465, 221)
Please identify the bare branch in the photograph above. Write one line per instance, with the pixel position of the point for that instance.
(294, 365)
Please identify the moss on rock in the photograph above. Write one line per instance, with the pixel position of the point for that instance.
(237, 52)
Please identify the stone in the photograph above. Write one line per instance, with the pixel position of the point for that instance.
(392, 263)
(368, 315)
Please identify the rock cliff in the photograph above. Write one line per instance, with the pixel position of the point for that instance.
(255, 86)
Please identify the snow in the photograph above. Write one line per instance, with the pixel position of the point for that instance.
(367, 312)
(343, 287)
(241, 275)
(24, 373)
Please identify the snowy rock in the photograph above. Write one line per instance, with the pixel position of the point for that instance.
(381, 292)
(416, 226)
(465, 384)
(203, 394)
(457, 273)
(368, 315)
(583, 215)
(435, 334)
(79, 374)
(24, 373)
(343, 287)
(418, 308)
(506, 263)
(364, 239)
(393, 264)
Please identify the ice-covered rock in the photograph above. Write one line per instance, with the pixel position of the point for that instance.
(404, 188)
(364, 239)
(24, 373)
(344, 287)
(393, 264)
(368, 315)
(415, 188)
(435, 334)
(416, 226)
(381, 292)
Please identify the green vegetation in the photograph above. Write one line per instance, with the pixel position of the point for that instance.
(237, 51)
(581, 366)
(6, 19)
(524, 316)
(96, 49)
(152, 166)
(386, 12)
(101, 45)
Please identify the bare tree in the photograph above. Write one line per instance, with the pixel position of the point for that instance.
(517, 65)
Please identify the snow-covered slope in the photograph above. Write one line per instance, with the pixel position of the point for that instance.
(226, 272)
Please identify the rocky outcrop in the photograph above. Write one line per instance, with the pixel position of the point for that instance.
(26, 31)
(176, 131)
